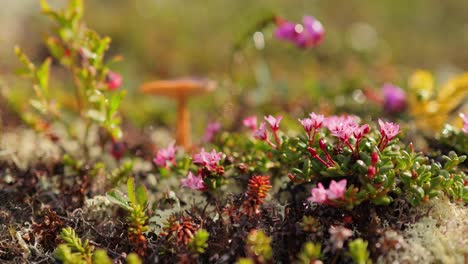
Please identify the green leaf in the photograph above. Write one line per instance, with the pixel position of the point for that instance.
(131, 191)
(141, 196)
(100, 257)
(133, 258)
(43, 76)
(118, 198)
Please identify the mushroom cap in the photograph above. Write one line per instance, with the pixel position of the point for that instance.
(178, 88)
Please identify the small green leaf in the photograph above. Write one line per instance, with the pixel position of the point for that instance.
(100, 257)
(118, 198)
(141, 196)
(131, 191)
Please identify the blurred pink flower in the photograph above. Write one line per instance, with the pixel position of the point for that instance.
(308, 124)
(338, 235)
(261, 132)
(336, 190)
(360, 131)
(211, 130)
(341, 127)
(250, 122)
(319, 194)
(193, 182)
(165, 156)
(113, 80)
(308, 34)
(464, 117)
(388, 130)
(209, 160)
(394, 98)
(317, 119)
(273, 122)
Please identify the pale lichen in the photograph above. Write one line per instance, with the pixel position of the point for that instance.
(439, 237)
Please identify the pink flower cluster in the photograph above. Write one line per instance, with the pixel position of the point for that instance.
(261, 132)
(165, 157)
(388, 131)
(465, 122)
(208, 159)
(335, 191)
(308, 34)
(211, 130)
(193, 182)
(312, 123)
(250, 122)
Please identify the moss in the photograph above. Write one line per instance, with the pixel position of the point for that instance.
(439, 237)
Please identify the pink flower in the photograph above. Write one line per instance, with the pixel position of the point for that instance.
(464, 117)
(209, 160)
(360, 131)
(309, 34)
(273, 122)
(193, 182)
(250, 122)
(211, 130)
(394, 98)
(113, 80)
(388, 130)
(319, 194)
(261, 132)
(165, 156)
(336, 190)
(338, 235)
(341, 127)
(317, 119)
(308, 124)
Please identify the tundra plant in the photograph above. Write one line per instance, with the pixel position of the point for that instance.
(81, 52)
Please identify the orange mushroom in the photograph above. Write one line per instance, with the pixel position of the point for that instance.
(181, 90)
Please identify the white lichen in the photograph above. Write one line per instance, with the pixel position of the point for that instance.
(439, 237)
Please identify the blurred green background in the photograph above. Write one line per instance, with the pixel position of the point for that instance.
(366, 44)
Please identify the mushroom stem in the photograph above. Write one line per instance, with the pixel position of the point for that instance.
(183, 123)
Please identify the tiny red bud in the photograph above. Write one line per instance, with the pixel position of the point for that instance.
(348, 219)
(374, 158)
(312, 151)
(322, 144)
(371, 171)
(113, 80)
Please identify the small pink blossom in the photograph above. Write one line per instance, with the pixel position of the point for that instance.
(464, 117)
(165, 156)
(317, 119)
(341, 127)
(319, 194)
(193, 182)
(336, 190)
(394, 98)
(261, 132)
(308, 34)
(360, 131)
(208, 159)
(308, 124)
(338, 235)
(250, 122)
(388, 130)
(113, 80)
(211, 130)
(273, 122)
